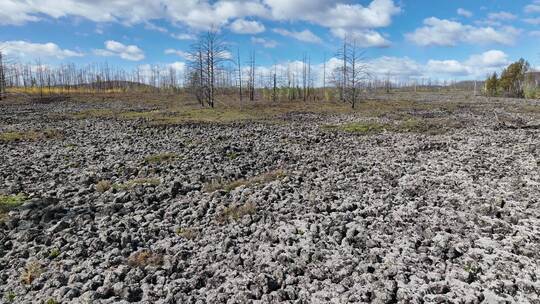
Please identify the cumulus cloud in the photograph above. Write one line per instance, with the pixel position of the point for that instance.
(465, 13)
(363, 38)
(534, 7)
(267, 43)
(183, 36)
(476, 65)
(533, 21)
(502, 16)
(356, 19)
(443, 32)
(178, 66)
(337, 16)
(115, 48)
(178, 53)
(305, 35)
(29, 50)
(330, 14)
(241, 26)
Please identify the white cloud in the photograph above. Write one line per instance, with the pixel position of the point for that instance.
(534, 33)
(330, 14)
(465, 13)
(443, 32)
(447, 67)
(364, 38)
(267, 43)
(502, 16)
(474, 67)
(489, 59)
(241, 26)
(338, 16)
(30, 50)
(153, 27)
(178, 66)
(305, 35)
(533, 21)
(395, 67)
(183, 36)
(178, 53)
(534, 7)
(115, 48)
(341, 18)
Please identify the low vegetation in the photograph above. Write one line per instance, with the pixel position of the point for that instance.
(9, 202)
(137, 182)
(10, 297)
(413, 125)
(187, 233)
(160, 158)
(31, 135)
(144, 258)
(236, 212)
(103, 186)
(256, 180)
(54, 253)
(31, 272)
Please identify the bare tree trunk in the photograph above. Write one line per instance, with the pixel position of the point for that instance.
(2, 78)
(239, 77)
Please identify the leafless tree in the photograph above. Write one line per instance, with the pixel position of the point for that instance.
(206, 60)
(2, 77)
(353, 72)
(239, 64)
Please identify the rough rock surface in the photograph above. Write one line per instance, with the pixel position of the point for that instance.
(381, 218)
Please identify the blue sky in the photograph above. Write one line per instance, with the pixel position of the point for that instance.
(407, 39)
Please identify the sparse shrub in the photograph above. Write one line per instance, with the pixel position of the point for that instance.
(10, 297)
(187, 233)
(232, 155)
(236, 212)
(256, 180)
(103, 186)
(136, 182)
(160, 158)
(54, 253)
(145, 258)
(9, 202)
(31, 272)
(31, 135)
(51, 301)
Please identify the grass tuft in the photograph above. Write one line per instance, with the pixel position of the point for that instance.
(10, 202)
(256, 180)
(137, 182)
(31, 272)
(160, 158)
(236, 212)
(187, 233)
(103, 186)
(31, 135)
(145, 258)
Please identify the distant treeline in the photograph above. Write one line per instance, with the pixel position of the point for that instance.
(210, 73)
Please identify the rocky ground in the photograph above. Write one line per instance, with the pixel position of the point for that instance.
(120, 211)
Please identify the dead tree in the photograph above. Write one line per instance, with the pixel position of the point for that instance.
(251, 78)
(352, 73)
(239, 75)
(2, 77)
(205, 61)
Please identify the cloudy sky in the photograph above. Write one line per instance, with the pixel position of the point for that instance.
(408, 38)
